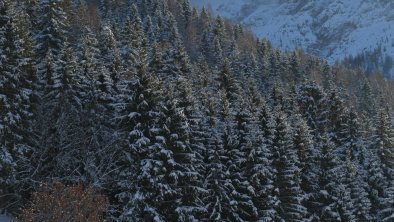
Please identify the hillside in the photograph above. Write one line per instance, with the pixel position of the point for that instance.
(150, 110)
(332, 30)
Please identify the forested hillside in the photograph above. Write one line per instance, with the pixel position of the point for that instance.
(166, 113)
(357, 31)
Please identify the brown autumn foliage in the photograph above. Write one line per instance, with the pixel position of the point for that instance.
(57, 202)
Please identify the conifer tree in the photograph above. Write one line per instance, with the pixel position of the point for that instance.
(228, 83)
(146, 158)
(97, 112)
(217, 201)
(102, 7)
(182, 169)
(111, 56)
(134, 40)
(27, 58)
(17, 87)
(377, 184)
(295, 67)
(312, 104)
(205, 44)
(360, 204)
(327, 74)
(31, 9)
(263, 54)
(9, 98)
(333, 195)
(387, 212)
(336, 117)
(383, 143)
(61, 106)
(90, 67)
(262, 174)
(287, 181)
(224, 200)
(366, 102)
(308, 164)
(256, 173)
(53, 25)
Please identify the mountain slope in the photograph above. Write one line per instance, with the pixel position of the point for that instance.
(329, 29)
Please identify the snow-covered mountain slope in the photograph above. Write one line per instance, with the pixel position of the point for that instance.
(332, 29)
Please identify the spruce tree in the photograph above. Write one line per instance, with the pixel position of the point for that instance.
(228, 83)
(309, 166)
(111, 57)
(265, 188)
(360, 205)
(295, 67)
(145, 161)
(216, 199)
(256, 173)
(225, 200)
(313, 105)
(383, 143)
(182, 169)
(61, 107)
(17, 85)
(287, 181)
(333, 195)
(336, 112)
(97, 112)
(53, 25)
(9, 98)
(377, 184)
(366, 101)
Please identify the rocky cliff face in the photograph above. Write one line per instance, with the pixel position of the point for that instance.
(329, 29)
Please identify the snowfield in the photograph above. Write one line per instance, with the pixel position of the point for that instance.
(329, 29)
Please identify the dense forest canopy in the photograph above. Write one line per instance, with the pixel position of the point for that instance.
(170, 114)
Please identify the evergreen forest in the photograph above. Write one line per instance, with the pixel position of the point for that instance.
(165, 113)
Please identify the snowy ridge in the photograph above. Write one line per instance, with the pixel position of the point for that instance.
(330, 29)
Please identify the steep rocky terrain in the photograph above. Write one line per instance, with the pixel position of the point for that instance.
(329, 29)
